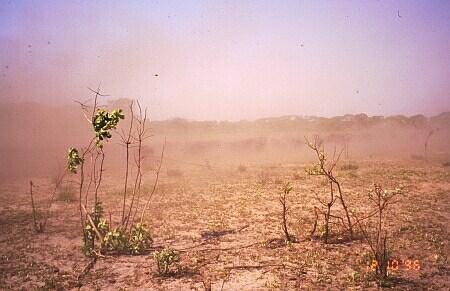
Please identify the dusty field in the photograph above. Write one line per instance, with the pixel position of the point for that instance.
(226, 225)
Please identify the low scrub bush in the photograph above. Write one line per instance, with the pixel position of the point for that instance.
(350, 167)
(264, 178)
(242, 168)
(174, 173)
(167, 261)
(67, 195)
(132, 242)
(375, 233)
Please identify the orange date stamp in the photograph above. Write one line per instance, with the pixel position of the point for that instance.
(396, 265)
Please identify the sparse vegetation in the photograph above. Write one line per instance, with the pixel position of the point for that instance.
(242, 168)
(264, 178)
(325, 169)
(40, 221)
(67, 195)
(102, 122)
(167, 261)
(418, 157)
(99, 235)
(225, 225)
(283, 201)
(133, 242)
(349, 167)
(174, 173)
(427, 140)
(376, 236)
(297, 176)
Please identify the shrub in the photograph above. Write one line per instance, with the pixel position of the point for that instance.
(418, 157)
(283, 201)
(116, 239)
(350, 167)
(376, 234)
(140, 239)
(100, 225)
(297, 176)
(166, 261)
(264, 178)
(133, 242)
(67, 195)
(325, 168)
(242, 168)
(174, 173)
(446, 164)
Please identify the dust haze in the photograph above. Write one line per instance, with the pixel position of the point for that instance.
(36, 143)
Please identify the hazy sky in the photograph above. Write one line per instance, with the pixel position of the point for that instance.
(231, 60)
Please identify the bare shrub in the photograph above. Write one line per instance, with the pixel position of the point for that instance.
(41, 222)
(264, 178)
(297, 176)
(325, 169)
(283, 201)
(375, 233)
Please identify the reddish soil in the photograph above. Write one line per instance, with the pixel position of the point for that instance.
(226, 225)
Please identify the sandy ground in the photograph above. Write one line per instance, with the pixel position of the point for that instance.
(226, 225)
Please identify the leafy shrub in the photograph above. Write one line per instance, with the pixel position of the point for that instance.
(133, 242)
(140, 238)
(74, 160)
(103, 121)
(102, 226)
(446, 164)
(117, 240)
(166, 261)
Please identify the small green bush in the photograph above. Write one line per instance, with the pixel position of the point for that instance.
(116, 239)
(140, 239)
(166, 261)
(102, 226)
(133, 242)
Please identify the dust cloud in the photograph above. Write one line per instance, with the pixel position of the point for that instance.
(35, 139)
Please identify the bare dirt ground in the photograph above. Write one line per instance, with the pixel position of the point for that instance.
(226, 225)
